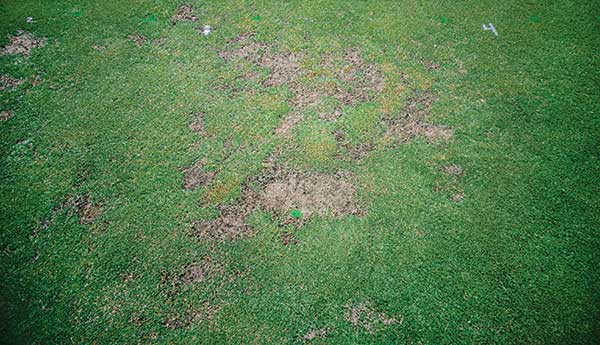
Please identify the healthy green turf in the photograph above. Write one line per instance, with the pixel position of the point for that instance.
(515, 262)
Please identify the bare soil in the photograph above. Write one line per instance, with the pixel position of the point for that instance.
(23, 43)
(201, 271)
(453, 170)
(363, 315)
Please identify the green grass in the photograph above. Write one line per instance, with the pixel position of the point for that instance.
(515, 262)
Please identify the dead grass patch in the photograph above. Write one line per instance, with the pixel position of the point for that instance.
(138, 39)
(281, 191)
(363, 315)
(359, 81)
(411, 121)
(197, 124)
(316, 333)
(6, 115)
(23, 43)
(195, 176)
(184, 12)
(204, 314)
(8, 82)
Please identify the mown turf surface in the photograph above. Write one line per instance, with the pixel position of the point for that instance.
(487, 236)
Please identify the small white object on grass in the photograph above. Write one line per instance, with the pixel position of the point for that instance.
(29, 20)
(206, 29)
(491, 27)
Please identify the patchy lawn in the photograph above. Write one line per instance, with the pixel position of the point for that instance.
(340, 172)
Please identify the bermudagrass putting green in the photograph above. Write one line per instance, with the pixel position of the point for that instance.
(339, 172)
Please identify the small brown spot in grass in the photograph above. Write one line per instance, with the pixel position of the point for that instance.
(200, 272)
(86, 208)
(453, 170)
(288, 123)
(195, 176)
(458, 197)
(184, 12)
(364, 316)
(99, 48)
(316, 333)
(430, 65)
(23, 43)
(8, 82)
(197, 124)
(6, 115)
(288, 238)
(437, 133)
(138, 39)
(205, 313)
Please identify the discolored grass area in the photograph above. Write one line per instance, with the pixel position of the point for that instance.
(328, 172)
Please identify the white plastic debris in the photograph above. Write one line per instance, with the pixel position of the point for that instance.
(491, 27)
(206, 30)
(29, 19)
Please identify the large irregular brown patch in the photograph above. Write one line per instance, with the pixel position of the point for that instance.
(411, 121)
(23, 43)
(312, 194)
(184, 12)
(358, 80)
(8, 82)
(281, 191)
(363, 315)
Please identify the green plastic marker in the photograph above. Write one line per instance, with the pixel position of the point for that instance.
(296, 214)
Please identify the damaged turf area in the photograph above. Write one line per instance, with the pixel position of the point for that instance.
(317, 172)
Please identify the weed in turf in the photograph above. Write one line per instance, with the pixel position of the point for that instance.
(23, 43)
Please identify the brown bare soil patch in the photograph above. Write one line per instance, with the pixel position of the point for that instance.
(23, 43)
(6, 115)
(437, 133)
(185, 12)
(195, 176)
(288, 238)
(8, 82)
(138, 39)
(430, 65)
(364, 316)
